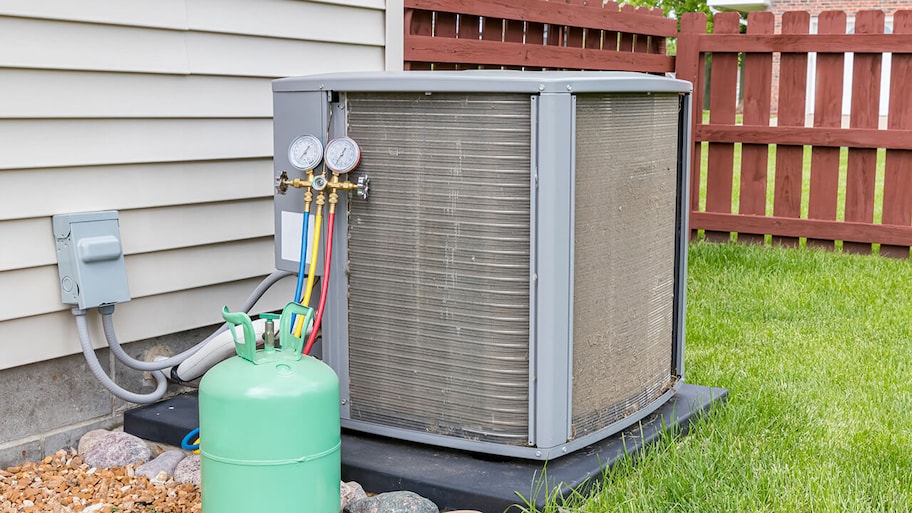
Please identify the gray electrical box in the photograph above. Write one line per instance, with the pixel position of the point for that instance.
(90, 259)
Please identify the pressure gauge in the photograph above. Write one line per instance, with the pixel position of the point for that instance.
(305, 152)
(342, 154)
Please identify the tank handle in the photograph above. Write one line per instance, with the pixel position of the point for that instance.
(291, 343)
(246, 349)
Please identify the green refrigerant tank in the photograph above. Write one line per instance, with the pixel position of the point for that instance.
(269, 426)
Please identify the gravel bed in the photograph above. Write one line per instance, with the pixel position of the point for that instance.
(64, 483)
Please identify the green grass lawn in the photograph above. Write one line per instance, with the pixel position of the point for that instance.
(816, 350)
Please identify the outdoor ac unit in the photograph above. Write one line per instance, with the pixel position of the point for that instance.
(514, 284)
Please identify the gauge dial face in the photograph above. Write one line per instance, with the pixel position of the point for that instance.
(342, 154)
(305, 152)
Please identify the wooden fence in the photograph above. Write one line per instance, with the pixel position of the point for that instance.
(821, 190)
(814, 197)
(535, 35)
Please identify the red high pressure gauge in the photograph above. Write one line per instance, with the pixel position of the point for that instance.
(342, 155)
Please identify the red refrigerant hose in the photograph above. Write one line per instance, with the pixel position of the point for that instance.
(324, 285)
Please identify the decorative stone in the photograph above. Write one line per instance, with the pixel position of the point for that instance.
(165, 462)
(88, 440)
(188, 470)
(350, 492)
(117, 449)
(392, 502)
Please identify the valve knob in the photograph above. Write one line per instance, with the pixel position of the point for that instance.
(363, 186)
(280, 186)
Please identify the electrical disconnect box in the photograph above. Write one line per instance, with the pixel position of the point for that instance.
(90, 259)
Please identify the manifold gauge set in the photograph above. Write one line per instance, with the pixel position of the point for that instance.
(341, 154)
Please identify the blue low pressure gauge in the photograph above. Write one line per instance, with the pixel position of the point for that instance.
(305, 152)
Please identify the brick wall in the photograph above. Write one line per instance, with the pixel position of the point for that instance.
(815, 7)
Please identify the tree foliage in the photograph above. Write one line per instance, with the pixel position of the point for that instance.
(674, 8)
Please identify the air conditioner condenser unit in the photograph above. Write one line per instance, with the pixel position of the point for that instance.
(514, 284)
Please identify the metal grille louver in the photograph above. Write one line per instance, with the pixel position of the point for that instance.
(439, 264)
(624, 255)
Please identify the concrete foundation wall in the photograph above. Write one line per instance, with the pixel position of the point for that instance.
(49, 405)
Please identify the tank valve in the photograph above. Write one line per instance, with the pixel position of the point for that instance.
(269, 333)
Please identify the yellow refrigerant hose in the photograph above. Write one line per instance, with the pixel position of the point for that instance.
(308, 290)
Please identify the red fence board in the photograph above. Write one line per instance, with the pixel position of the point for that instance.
(870, 43)
(723, 85)
(792, 96)
(860, 174)
(758, 73)
(558, 13)
(824, 186)
(897, 198)
(794, 228)
(535, 34)
(831, 137)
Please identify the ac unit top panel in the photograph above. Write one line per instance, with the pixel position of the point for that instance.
(486, 81)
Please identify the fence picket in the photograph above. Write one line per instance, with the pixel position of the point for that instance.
(897, 198)
(492, 30)
(758, 73)
(610, 38)
(792, 94)
(860, 175)
(625, 43)
(641, 41)
(445, 27)
(419, 23)
(575, 34)
(824, 186)
(723, 84)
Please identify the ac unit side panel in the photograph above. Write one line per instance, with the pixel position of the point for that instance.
(296, 114)
(438, 264)
(624, 255)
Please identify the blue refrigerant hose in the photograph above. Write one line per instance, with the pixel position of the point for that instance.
(185, 443)
(302, 264)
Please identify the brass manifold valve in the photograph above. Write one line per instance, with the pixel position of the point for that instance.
(319, 183)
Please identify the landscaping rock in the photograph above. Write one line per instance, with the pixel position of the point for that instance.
(116, 449)
(188, 470)
(350, 492)
(165, 462)
(88, 440)
(392, 502)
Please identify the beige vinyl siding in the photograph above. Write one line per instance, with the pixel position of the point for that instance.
(160, 110)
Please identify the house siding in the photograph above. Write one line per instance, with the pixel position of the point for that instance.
(160, 110)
